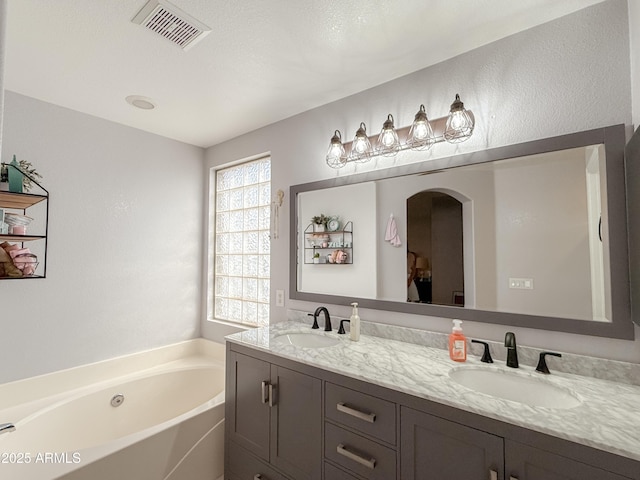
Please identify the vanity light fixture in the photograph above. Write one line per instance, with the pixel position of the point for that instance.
(361, 150)
(420, 135)
(388, 141)
(336, 156)
(459, 125)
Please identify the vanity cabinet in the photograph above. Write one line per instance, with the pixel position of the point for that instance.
(291, 421)
(434, 448)
(360, 433)
(274, 414)
(527, 463)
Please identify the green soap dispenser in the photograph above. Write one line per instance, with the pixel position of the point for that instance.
(15, 177)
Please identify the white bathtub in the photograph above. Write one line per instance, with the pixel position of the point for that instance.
(170, 425)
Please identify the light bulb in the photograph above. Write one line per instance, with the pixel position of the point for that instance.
(460, 124)
(388, 142)
(361, 146)
(336, 156)
(421, 134)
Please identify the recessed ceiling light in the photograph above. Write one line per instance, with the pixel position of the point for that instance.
(145, 103)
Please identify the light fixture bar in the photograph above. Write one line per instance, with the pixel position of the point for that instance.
(438, 126)
(422, 134)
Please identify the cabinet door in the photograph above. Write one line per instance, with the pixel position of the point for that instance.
(433, 448)
(528, 463)
(296, 424)
(248, 413)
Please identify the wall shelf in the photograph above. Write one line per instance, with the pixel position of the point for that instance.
(326, 242)
(22, 203)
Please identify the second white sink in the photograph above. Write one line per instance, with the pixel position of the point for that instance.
(515, 386)
(306, 340)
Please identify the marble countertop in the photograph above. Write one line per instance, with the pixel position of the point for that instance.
(607, 418)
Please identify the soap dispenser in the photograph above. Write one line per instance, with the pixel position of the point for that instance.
(354, 323)
(457, 343)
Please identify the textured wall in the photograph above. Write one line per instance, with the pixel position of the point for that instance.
(124, 252)
(564, 76)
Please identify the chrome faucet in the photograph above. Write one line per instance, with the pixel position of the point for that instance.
(512, 352)
(327, 318)
(6, 428)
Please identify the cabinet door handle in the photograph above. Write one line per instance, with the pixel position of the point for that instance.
(493, 475)
(272, 391)
(265, 394)
(367, 417)
(367, 462)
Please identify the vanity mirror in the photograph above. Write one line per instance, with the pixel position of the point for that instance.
(530, 235)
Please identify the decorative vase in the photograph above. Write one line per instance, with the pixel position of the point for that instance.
(15, 177)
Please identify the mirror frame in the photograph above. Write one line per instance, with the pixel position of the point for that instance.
(613, 138)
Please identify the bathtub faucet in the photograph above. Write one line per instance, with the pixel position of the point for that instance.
(6, 428)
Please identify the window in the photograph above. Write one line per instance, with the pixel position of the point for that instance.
(242, 243)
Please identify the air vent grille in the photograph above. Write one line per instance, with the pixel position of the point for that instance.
(173, 24)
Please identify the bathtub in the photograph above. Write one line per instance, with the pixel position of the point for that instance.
(157, 415)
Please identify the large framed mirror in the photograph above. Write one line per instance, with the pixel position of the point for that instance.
(531, 235)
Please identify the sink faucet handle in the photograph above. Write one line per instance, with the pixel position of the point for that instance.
(486, 355)
(315, 320)
(341, 330)
(542, 363)
(510, 340)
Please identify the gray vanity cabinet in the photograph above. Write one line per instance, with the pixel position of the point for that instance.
(433, 448)
(273, 413)
(527, 463)
(290, 421)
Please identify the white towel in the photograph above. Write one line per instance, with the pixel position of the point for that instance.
(391, 234)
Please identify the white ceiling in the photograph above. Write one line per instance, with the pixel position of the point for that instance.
(265, 60)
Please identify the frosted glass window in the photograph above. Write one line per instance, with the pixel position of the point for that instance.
(242, 261)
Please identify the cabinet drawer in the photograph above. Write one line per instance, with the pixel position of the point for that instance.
(334, 473)
(370, 415)
(244, 466)
(358, 454)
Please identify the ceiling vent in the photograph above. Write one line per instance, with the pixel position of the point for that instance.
(172, 23)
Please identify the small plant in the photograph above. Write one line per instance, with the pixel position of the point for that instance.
(320, 219)
(30, 173)
(317, 255)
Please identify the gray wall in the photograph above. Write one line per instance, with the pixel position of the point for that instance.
(568, 75)
(123, 267)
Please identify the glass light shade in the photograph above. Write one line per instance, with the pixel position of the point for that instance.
(420, 134)
(336, 156)
(361, 150)
(388, 142)
(460, 123)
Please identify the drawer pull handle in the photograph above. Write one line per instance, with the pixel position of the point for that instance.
(367, 417)
(511, 477)
(257, 476)
(272, 398)
(493, 475)
(265, 395)
(367, 462)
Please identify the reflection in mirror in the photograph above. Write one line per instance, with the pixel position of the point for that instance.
(532, 235)
(435, 254)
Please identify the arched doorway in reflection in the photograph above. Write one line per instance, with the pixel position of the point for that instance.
(435, 251)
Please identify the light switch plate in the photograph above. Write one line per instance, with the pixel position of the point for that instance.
(279, 298)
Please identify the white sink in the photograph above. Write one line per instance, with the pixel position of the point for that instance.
(306, 340)
(515, 386)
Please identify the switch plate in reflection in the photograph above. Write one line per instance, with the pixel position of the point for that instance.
(521, 283)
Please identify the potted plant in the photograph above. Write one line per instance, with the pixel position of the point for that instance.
(316, 258)
(319, 222)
